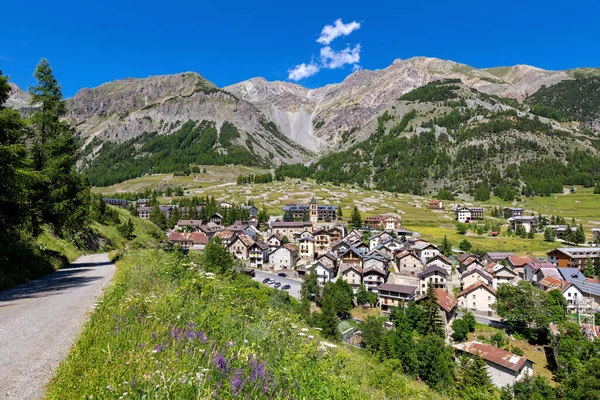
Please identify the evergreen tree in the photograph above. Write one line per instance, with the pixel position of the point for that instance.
(446, 247)
(362, 297)
(372, 333)
(482, 193)
(126, 229)
(15, 167)
(430, 321)
(356, 219)
(460, 329)
(579, 236)
(549, 235)
(310, 286)
(474, 375)
(465, 245)
(328, 321)
(287, 216)
(340, 213)
(435, 363)
(158, 218)
(61, 198)
(174, 219)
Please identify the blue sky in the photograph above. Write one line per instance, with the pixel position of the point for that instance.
(92, 42)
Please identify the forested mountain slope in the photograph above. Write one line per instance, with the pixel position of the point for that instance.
(579, 98)
(446, 134)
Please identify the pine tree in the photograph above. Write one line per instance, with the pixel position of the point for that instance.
(474, 375)
(446, 247)
(356, 218)
(158, 218)
(16, 173)
(549, 235)
(430, 321)
(310, 286)
(216, 257)
(174, 219)
(362, 297)
(579, 236)
(62, 197)
(340, 213)
(329, 321)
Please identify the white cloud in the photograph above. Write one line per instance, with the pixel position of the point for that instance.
(302, 71)
(335, 59)
(356, 67)
(330, 32)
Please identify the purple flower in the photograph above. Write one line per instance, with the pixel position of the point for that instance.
(221, 363)
(153, 335)
(236, 382)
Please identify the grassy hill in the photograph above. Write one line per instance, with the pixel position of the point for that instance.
(29, 258)
(167, 330)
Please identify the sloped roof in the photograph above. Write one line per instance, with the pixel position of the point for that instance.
(261, 245)
(290, 247)
(292, 224)
(476, 271)
(189, 222)
(475, 286)
(330, 255)
(431, 269)
(499, 255)
(404, 289)
(493, 354)
(225, 234)
(520, 261)
(441, 257)
(554, 283)
(444, 299)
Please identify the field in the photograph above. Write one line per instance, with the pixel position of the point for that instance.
(433, 225)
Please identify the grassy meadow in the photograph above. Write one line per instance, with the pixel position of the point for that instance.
(167, 330)
(415, 214)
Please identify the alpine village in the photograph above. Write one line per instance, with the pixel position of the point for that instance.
(428, 230)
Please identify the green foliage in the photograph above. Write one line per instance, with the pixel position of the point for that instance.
(525, 304)
(470, 320)
(435, 363)
(126, 229)
(217, 258)
(530, 388)
(482, 193)
(549, 235)
(328, 320)
(310, 286)
(461, 228)
(446, 247)
(193, 144)
(158, 218)
(372, 333)
(460, 329)
(445, 194)
(430, 322)
(362, 297)
(356, 219)
(465, 245)
(473, 376)
(579, 98)
(435, 91)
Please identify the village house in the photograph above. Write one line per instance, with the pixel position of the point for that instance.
(284, 257)
(504, 368)
(373, 277)
(352, 256)
(441, 261)
(500, 274)
(306, 247)
(216, 218)
(448, 308)
(422, 249)
(167, 210)
(325, 273)
(391, 295)
(436, 205)
(225, 236)
(322, 241)
(478, 298)
(573, 257)
(290, 228)
(192, 225)
(463, 214)
(225, 205)
(510, 212)
(588, 287)
(497, 256)
(352, 274)
(317, 212)
(407, 263)
(329, 259)
(527, 222)
(353, 236)
(530, 270)
(209, 229)
(374, 222)
(517, 264)
(560, 230)
(376, 239)
(252, 211)
(144, 212)
(239, 247)
(337, 232)
(432, 276)
(393, 245)
(189, 240)
(469, 264)
(117, 202)
(259, 254)
(473, 276)
(274, 241)
(551, 283)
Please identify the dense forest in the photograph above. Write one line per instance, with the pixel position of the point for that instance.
(194, 143)
(491, 143)
(578, 98)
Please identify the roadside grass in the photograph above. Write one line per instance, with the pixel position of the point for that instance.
(147, 234)
(362, 313)
(166, 330)
(530, 351)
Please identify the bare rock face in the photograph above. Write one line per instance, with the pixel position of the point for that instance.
(125, 109)
(327, 114)
(19, 100)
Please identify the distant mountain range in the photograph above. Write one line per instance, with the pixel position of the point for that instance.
(280, 122)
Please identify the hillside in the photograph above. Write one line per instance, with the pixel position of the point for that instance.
(578, 98)
(168, 329)
(322, 118)
(446, 134)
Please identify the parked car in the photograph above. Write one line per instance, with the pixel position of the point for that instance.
(286, 287)
(282, 274)
(249, 272)
(266, 280)
(277, 284)
(271, 281)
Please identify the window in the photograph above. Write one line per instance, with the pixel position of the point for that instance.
(489, 298)
(474, 304)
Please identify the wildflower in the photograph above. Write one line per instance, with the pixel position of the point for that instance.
(236, 383)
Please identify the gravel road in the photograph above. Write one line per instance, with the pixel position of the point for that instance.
(40, 320)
